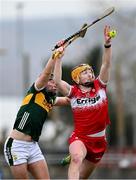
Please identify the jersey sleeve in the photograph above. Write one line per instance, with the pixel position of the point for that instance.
(32, 89)
(72, 91)
(101, 83)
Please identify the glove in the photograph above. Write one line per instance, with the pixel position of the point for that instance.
(58, 53)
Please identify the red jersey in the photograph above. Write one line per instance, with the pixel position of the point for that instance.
(90, 109)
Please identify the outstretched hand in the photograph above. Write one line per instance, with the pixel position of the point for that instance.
(107, 38)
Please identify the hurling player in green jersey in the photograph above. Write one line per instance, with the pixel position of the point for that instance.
(21, 149)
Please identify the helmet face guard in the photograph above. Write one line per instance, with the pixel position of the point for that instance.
(75, 73)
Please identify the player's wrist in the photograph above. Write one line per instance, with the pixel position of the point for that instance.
(107, 45)
(56, 56)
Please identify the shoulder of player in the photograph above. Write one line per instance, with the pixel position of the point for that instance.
(99, 82)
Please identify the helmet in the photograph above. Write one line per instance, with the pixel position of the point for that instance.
(78, 69)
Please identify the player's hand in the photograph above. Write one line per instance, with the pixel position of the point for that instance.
(60, 43)
(107, 38)
(59, 53)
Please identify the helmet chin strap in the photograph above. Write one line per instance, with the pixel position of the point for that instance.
(87, 84)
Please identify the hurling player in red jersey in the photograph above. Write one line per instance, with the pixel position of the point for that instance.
(90, 112)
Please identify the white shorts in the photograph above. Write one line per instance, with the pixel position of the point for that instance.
(18, 152)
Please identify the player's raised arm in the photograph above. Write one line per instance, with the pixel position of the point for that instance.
(42, 80)
(62, 86)
(106, 59)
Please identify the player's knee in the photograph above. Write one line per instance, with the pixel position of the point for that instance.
(77, 159)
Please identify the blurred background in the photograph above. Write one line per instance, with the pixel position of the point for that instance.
(29, 29)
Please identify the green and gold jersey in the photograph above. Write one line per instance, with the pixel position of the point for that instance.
(33, 112)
